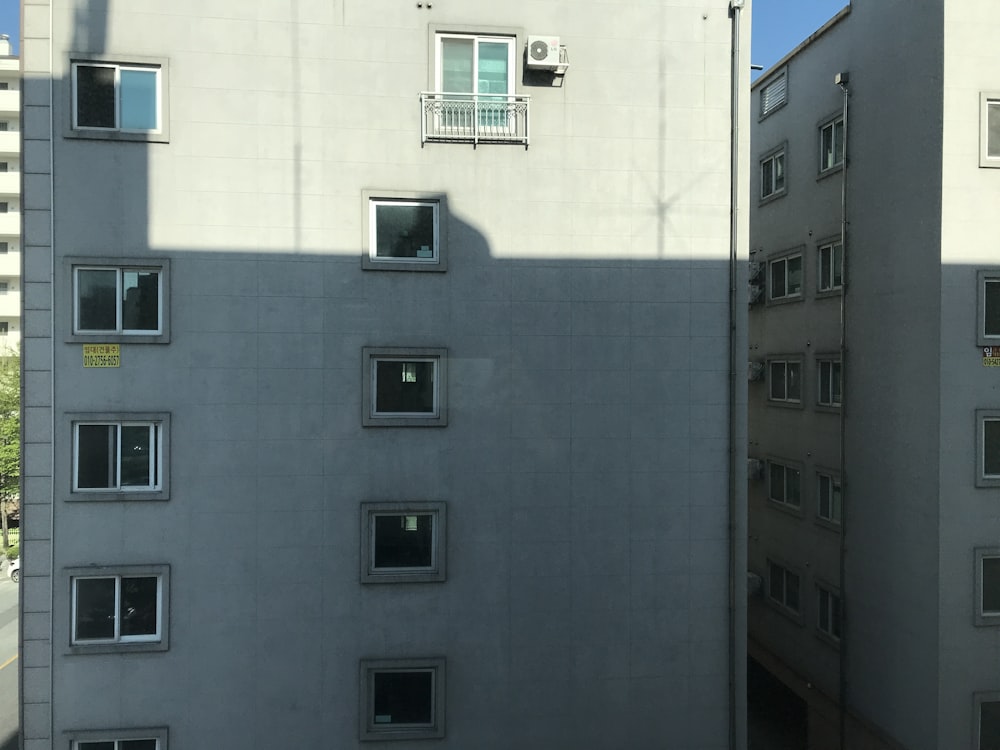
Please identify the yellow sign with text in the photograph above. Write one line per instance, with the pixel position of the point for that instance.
(102, 355)
(991, 356)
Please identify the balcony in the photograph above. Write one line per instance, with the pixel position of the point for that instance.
(10, 183)
(10, 224)
(10, 305)
(10, 101)
(10, 142)
(473, 118)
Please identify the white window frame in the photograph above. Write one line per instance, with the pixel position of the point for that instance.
(984, 417)
(783, 295)
(769, 188)
(828, 492)
(160, 266)
(787, 364)
(984, 617)
(372, 417)
(828, 266)
(983, 279)
(774, 93)
(830, 626)
(476, 38)
(988, 101)
(828, 395)
(826, 166)
(782, 601)
(158, 641)
(372, 730)
(159, 65)
(785, 498)
(435, 572)
(372, 199)
(159, 422)
(980, 699)
(79, 739)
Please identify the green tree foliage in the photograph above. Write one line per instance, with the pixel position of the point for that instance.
(10, 437)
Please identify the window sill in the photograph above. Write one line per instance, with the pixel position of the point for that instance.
(773, 302)
(785, 612)
(836, 292)
(829, 640)
(116, 648)
(787, 508)
(837, 169)
(796, 405)
(117, 338)
(117, 136)
(827, 524)
(119, 496)
(828, 409)
(772, 197)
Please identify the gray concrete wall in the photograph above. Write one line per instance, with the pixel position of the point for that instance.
(585, 314)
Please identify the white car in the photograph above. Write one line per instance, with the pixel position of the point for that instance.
(14, 570)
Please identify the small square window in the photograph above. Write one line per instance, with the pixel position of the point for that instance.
(989, 129)
(783, 587)
(988, 328)
(987, 721)
(403, 542)
(118, 100)
(402, 699)
(831, 145)
(120, 459)
(119, 739)
(774, 94)
(4, 207)
(786, 278)
(4, 248)
(785, 380)
(988, 586)
(4, 126)
(828, 613)
(830, 384)
(125, 303)
(4, 327)
(828, 498)
(119, 608)
(4, 287)
(4, 166)
(404, 387)
(404, 231)
(988, 445)
(831, 266)
(772, 175)
(784, 484)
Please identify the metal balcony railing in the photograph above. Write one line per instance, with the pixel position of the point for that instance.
(474, 118)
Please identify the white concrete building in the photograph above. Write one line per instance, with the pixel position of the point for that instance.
(10, 198)
(378, 374)
(880, 563)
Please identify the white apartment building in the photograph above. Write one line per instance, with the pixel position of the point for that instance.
(10, 198)
(875, 392)
(379, 374)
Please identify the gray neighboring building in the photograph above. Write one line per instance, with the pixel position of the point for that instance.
(880, 566)
(359, 414)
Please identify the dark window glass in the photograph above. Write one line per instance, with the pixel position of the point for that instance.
(776, 582)
(991, 585)
(4, 166)
(989, 725)
(137, 444)
(403, 697)
(4, 247)
(109, 745)
(404, 231)
(95, 609)
(992, 321)
(778, 391)
(97, 453)
(95, 97)
(991, 447)
(794, 381)
(993, 129)
(96, 290)
(137, 745)
(791, 591)
(404, 386)
(404, 541)
(140, 301)
(138, 609)
(778, 279)
(793, 489)
(777, 482)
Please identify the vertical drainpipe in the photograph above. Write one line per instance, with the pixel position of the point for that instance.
(841, 79)
(737, 495)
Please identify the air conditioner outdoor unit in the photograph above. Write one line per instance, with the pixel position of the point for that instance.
(756, 270)
(755, 371)
(543, 52)
(755, 468)
(756, 293)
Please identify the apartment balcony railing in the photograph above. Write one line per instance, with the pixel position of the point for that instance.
(10, 101)
(10, 223)
(10, 305)
(10, 183)
(10, 142)
(474, 118)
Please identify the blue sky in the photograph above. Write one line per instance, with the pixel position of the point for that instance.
(778, 25)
